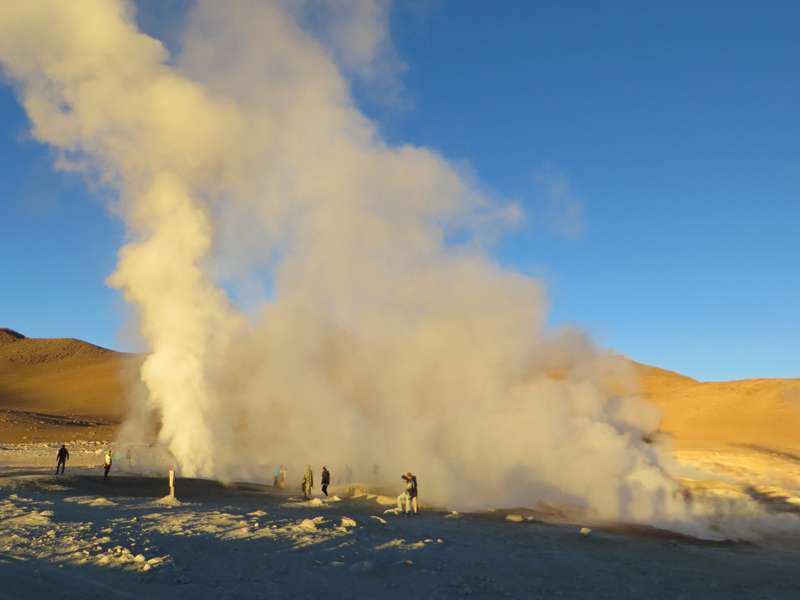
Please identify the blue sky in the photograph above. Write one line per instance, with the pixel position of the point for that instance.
(655, 149)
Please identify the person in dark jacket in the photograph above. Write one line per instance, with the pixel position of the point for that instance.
(404, 499)
(414, 502)
(63, 457)
(326, 480)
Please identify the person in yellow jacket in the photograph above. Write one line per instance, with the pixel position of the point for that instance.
(308, 482)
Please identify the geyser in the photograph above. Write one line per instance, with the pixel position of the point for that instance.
(378, 339)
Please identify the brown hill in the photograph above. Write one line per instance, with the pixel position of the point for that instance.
(46, 383)
(718, 414)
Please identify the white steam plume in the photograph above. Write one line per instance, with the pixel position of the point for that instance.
(380, 340)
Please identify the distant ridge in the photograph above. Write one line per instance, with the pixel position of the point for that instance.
(9, 336)
(17, 348)
(643, 370)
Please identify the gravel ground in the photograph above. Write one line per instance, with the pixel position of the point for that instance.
(79, 536)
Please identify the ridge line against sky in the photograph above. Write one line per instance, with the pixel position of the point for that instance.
(654, 150)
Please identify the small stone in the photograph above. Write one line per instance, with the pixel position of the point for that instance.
(361, 567)
(347, 522)
(585, 531)
(308, 525)
(139, 558)
(514, 518)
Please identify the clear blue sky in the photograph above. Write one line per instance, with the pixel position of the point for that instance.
(670, 131)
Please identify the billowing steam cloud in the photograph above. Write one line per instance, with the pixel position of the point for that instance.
(379, 339)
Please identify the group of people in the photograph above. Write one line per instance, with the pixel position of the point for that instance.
(308, 482)
(63, 456)
(279, 475)
(409, 496)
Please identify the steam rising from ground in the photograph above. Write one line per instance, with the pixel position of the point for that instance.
(379, 339)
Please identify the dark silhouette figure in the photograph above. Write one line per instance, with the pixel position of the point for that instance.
(414, 493)
(63, 457)
(326, 480)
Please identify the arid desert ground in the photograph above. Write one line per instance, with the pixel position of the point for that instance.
(80, 536)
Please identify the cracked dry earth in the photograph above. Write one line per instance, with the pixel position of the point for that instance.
(78, 536)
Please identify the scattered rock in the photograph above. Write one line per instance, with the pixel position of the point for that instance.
(405, 563)
(453, 515)
(348, 522)
(139, 558)
(361, 567)
(383, 521)
(102, 502)
(585, 531)
(515, 518)
(308, 525)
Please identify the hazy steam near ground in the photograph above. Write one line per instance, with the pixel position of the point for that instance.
(380, 341)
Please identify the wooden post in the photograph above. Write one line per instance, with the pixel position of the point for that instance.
(172, 484)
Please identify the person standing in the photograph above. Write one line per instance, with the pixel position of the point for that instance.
(405, 497)
(414, 502)
(376, 472)
(276, 476)
(308, 482)
(282, 481)
(61, 460)
(326, 480)
(107, 464)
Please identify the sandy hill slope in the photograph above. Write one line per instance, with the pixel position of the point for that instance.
(759, 412)
(46, 383)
